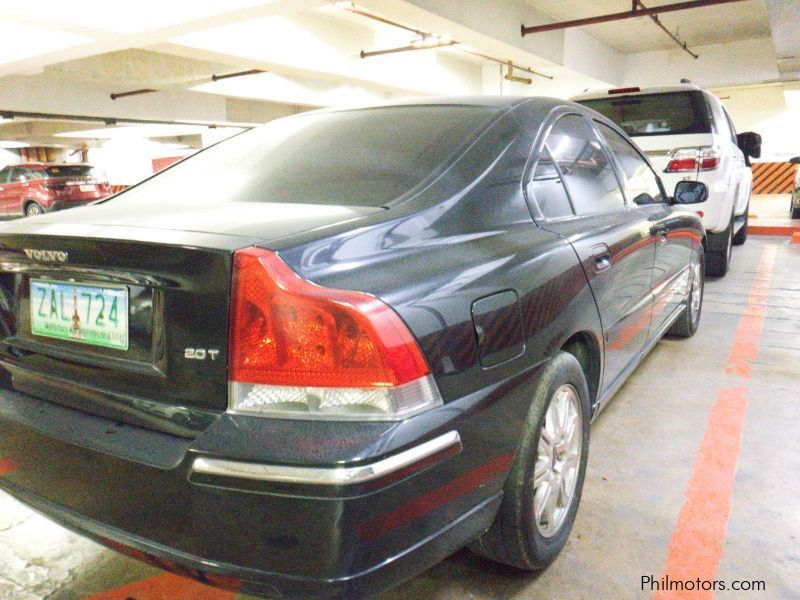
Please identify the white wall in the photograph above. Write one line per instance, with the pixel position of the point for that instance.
(7, 157)
(745, 61)
(763, 110)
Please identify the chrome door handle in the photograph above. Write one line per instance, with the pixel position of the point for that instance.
(602, 263)
(662, 235)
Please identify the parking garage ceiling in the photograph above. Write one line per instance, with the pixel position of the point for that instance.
(302, 54)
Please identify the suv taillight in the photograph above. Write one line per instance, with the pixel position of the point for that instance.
(684, 160)
(297, 349)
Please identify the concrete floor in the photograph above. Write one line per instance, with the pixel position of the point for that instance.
(771, 210)
(694, 465)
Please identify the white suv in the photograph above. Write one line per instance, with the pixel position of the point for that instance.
(688, 135)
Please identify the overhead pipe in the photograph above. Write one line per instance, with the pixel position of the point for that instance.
(216, 77)
(674, 37)
(110, 121)
(630, 14)
(423, 34)
(410, 48)
(116, 95)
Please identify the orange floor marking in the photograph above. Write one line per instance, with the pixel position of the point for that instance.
(748, 331)
(781, 230)
(696, 547)
(165, 586)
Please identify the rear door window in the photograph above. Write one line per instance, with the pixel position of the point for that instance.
(18, 175)
(70, 171)
(668, 113)
(640, 183)
(547, 188)
(588, 174)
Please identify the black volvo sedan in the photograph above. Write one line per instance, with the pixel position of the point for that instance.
(317, 358)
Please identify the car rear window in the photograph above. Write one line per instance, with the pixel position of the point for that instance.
(366, 157)
(669, 113)
(70, 171)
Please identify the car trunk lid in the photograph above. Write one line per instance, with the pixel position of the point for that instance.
(172, 375)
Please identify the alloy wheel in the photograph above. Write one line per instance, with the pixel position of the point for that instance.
(33, 210)
(558, 461)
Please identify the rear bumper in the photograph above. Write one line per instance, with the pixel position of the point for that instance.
(421, 555)
(717, 210)
(65, 204)
(142, 493)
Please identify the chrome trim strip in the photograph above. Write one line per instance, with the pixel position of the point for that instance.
(326, 476)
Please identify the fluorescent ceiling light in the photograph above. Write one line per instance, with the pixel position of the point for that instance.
(791, 97)
(13, 144)
(126, 17)
(22, 41)
(277, 88)
(136, 131)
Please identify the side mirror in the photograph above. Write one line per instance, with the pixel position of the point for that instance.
(749, 143)
(795, 160)
(690, 192)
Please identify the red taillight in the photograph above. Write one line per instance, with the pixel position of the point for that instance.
(684, 160)
(286, 331)
(625, 90)
(677, 165)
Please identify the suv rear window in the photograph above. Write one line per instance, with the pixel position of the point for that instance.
(365, 158)
(70, 171)
(670, 113)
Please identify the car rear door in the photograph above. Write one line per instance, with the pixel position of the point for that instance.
(611, 240)
(6, 190)
(17, 188)
(673, 244)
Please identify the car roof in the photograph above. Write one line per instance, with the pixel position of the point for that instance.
(665, 89)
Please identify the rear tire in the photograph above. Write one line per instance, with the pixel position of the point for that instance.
(32, 209)
(794, 211)
(688, 322)
(719, 250)
(539, 504)
(741, 235)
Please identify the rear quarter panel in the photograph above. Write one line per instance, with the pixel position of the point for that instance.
(468, 236)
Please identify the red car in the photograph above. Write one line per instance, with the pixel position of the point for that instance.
(34, 188)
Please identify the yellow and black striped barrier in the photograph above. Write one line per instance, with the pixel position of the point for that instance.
(773, 177)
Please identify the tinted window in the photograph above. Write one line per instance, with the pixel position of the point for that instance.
(4, 175)
(70, 171)
(547, 188)
(639, 182)
(589, 177)
(18, 175)
(656, 114)
(364, 157)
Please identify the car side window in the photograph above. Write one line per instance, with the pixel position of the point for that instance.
(639, 181)
(4, 173)
(547, 189)
(588, 175)
(17, 176)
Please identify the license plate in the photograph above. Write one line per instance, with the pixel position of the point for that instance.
(96, 315)
(88, 187)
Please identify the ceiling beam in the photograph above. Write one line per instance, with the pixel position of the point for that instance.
(629, 14)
